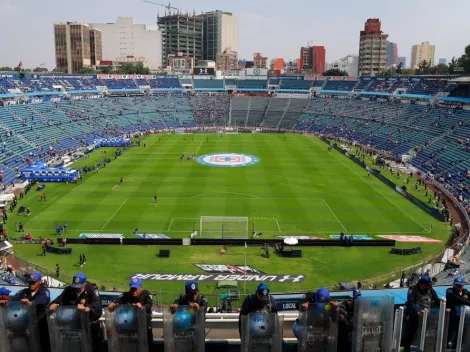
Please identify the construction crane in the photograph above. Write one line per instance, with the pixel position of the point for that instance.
(168, 7)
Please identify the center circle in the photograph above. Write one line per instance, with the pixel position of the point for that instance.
(227, 159)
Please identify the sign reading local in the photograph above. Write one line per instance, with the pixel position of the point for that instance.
(228, 269)
(227, 159)
(219, 277)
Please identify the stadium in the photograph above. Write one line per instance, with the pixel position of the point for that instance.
(299, 182)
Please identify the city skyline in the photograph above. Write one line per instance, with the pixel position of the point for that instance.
(33, 25)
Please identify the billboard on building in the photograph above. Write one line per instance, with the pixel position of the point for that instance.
(204, 71)
(256, 72)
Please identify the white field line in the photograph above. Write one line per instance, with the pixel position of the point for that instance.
(107, 222)
(54, 203)
(334, 214)
(375, 189)
(171, 223)
(200, 144)
(279, 227)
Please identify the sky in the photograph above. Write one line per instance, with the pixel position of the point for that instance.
(276, 28)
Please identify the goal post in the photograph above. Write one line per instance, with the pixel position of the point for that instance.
(223, 227)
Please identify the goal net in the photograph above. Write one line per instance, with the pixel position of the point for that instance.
(223, 227)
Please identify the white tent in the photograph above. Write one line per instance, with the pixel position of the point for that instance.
(51, 282)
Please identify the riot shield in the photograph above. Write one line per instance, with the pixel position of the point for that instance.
(261, 332)
(126, 328)
(69, 330)
(184, 330)
(432, 331)
(373, 324)
(463, 333)
(18, 328)
(318, 328)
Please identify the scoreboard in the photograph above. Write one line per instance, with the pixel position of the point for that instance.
(204, 71)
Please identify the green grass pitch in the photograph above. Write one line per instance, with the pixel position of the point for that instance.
(297, 188)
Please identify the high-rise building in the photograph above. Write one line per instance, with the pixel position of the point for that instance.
(313, 58)
(227, 60)
(402, 60)
(372, 48)
(348, 64)
(220, 32)
(442, 61)
(126, 40)
(74, 46)
(182, 33)
(392, 53)
(96, 46)
(421, 52)
(259, 61)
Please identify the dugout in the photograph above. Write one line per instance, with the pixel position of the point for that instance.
(227, 289)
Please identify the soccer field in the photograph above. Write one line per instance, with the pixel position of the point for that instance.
(296, 188)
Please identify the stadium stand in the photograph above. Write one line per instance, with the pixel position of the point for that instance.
(340, 85)
(209, 84)
(211, 109)
(253, 84)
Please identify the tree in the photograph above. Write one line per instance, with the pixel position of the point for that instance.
(40, 69)
(106, 70)
(6, 68)
(442, 69)
(335, 72)
(86, 71)
(408, 72)
(399, 69)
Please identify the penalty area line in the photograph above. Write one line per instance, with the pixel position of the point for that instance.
(334, 214)
(376, 190)
(111, 218)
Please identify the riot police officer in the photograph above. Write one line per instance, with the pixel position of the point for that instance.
(140, 298)
(456, 297)
(260, 301)
(4, 293)
(346, 321)
(420, 297)
(86, 297)
(191, 298)
(39, 297)
(322, 295)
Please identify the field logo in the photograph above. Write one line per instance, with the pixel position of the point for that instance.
(227, 159)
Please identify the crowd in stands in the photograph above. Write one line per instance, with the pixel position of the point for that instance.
(211, 110)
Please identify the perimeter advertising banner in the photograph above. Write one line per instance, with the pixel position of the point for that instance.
(218, 277)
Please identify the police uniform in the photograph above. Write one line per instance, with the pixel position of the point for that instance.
(309, 298)
(345, 325)
(455, 300)
(192, 287)
(417, 300)
(39, 301)
(252, 303)
(145, 299)
(90, 298)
